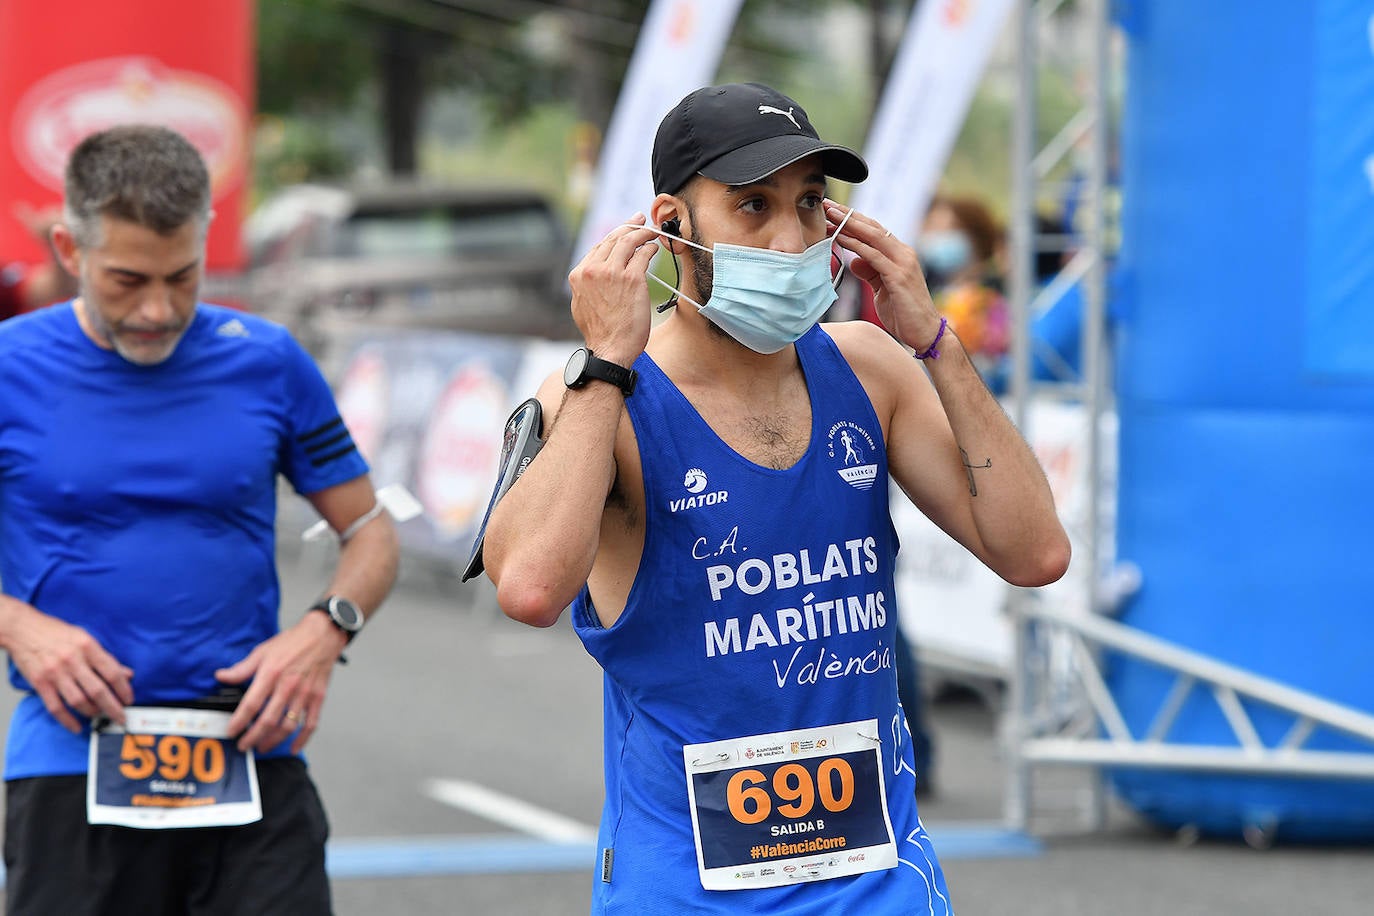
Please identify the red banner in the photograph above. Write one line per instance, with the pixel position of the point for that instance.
(69, 68)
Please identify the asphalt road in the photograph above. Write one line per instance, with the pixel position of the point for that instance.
(460, 762)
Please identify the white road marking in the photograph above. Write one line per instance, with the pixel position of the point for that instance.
(504, 809)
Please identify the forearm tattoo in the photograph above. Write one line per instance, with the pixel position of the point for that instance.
(970, 468)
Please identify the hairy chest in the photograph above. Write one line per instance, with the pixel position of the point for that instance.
(775, 435)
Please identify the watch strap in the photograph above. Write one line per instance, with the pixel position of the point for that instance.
(607, 371)
(323, 607)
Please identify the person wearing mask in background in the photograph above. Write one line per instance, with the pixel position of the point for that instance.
(958, 247)
(23, 287)
(153, 764)
(712, 502)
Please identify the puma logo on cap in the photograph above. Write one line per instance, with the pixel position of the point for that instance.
(769, 109)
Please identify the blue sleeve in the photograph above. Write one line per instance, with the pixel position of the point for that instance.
(317, 452)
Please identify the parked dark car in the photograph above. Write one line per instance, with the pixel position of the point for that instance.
(330, 261)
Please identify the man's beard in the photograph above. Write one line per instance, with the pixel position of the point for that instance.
(703, 268)
(703, 277)
(118, 335)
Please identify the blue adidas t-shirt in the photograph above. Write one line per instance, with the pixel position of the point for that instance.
(754, 741)
(139, 502)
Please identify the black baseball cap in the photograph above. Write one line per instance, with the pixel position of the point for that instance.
(739, 133)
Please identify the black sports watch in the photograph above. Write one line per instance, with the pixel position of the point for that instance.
(343, 613)
(582, 367)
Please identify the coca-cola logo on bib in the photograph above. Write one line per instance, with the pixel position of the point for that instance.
(66, 107)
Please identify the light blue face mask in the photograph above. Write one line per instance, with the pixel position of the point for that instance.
(766, 299)
(945, 251)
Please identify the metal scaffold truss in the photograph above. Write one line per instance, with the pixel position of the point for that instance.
(1055, 700)
(1095, 733)
(1059, 709)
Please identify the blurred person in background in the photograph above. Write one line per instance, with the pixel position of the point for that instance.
(24, 287)
(712, 507)
(153, 764)
(958, 247)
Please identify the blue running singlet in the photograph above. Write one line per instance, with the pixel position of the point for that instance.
(756, 757)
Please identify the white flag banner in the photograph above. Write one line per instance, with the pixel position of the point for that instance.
(679, 46)
(937, 69)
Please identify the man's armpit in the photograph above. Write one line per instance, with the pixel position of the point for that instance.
(620, 507)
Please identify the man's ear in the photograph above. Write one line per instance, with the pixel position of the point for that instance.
(67, 250)
(666, 214)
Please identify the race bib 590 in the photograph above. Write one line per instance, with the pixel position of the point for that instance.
(170, 767)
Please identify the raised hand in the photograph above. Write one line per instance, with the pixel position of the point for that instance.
(610, 301)
(890, 266)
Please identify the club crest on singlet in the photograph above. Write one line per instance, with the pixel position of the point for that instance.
(852, 450)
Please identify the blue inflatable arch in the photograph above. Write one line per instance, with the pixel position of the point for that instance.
(1245, 358)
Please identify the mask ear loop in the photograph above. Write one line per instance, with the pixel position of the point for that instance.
(677, 281)
(677, 294)
(677, 271)
(669, 235)
(839, 274)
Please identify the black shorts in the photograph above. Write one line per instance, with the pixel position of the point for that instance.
(57, 863)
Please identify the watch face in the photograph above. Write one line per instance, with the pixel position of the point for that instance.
(572, 372)
(346, 613)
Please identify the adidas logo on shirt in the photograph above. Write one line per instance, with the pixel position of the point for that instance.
(232, 328)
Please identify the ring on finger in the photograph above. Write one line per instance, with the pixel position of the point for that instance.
(292, 716)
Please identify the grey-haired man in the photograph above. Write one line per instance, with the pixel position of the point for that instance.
(153, 765)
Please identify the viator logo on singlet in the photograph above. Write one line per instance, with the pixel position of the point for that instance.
(694, 482)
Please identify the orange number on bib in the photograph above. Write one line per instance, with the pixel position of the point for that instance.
(174, 758)
(792, 784)
(137, 754)
(207, 760)
(175, 753)
(794, 788)
(737, 795)
(825, 774)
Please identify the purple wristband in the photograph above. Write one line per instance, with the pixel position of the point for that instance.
(930, 351)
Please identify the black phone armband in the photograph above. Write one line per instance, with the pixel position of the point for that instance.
(522, 440)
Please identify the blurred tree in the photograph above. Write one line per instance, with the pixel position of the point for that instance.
(288, 152)
(886, 24)
(310, 56)
(316, 56)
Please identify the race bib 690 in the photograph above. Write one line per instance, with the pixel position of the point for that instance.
(787, 807)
